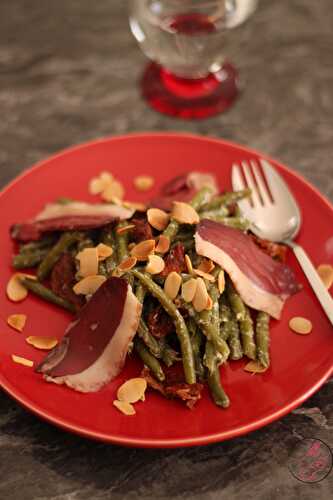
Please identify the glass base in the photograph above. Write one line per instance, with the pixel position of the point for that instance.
(190, 98)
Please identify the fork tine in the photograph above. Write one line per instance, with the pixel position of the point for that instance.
(275, 182)
(238, 183)
(251, 184)
(260, 183)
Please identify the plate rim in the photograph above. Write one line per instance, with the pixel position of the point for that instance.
(146, 442)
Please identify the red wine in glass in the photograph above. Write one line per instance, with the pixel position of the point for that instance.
(189, 77)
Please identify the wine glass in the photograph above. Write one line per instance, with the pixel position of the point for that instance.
(189, 76)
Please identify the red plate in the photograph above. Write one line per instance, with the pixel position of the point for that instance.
(300, 364)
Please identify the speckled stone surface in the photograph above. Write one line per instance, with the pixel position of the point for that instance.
(68, 72)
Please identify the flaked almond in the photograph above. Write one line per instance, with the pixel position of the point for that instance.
(163, 244)
(136, 205)
(206, 276)
(201, 296)
(157, 218)
(17, 321)
(89, 285)
(188, 289)
(221, 281)
(188, 263)
(300, 325)
(44, 343)
(113, 190)
(254, 367)
(22, 361)
(209, 304)
(124, 407)
(96, 186)
(106, 177)
(143, 249)
(88, 259)
(15, 290)
(127, 264)
(115, 201)
(143, 182)
(104, 251)
(206, 265)
(125, 229)
(325, 272)
(132, 390)
(172, 285)
(184, 213)
(155, 264)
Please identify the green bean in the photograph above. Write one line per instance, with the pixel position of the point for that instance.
(215, 319)
(202, 319)
(229, 328)
(171, 230)
(143, 330)
(225, 331)
(181, 329)
(46, 294)
(149, 360)
(236, 303)
(199, 199)
(211, 357)
(235, 222)
(221, 212)
(217, 392)
(169, 355)
(187, 244)
(247, 335)
(29, 259)
(185, 234)
(226, 317)
(227, 199)
(236, 351)
(225, 311)
(107, 237)
(121, 240)
(35, 246)
(85, 242)
(196, 339)
(140, 292)
(148, 339)
(122, 251)
(65, 241)
(262, 338)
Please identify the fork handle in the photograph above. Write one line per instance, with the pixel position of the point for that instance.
(310, 272)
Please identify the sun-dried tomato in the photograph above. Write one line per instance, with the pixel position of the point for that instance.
(142, 230)
(63, 279)
(175, 261)
(159, 323)
(188, 393)
(274, 250)
(152, 382)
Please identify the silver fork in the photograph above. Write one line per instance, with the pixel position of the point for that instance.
(274, 215)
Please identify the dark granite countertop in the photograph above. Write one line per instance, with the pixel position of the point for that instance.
(67, 74)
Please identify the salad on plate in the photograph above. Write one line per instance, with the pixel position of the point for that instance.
(180, 283)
